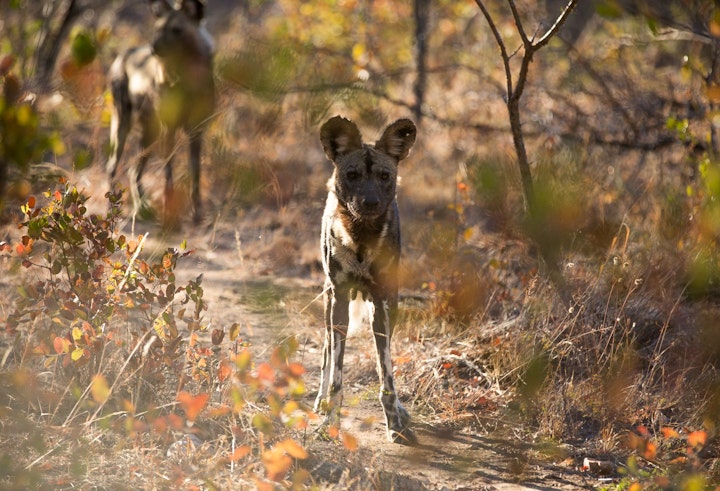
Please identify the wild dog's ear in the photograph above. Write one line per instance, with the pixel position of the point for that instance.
(160, 7)
(195, 9)
(397, 139)
(339, 136)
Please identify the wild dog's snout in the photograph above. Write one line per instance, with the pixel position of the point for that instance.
(371, 202)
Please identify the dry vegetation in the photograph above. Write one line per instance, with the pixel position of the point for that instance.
(113, 344)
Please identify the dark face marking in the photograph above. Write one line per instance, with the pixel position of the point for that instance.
(366, 183)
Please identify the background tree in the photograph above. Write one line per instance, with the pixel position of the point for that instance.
(515, 86)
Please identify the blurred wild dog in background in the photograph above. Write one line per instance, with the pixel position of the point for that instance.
(168, 84)
(360, 253)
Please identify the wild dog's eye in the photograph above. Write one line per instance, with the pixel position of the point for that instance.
(385, 175)
(352, 175)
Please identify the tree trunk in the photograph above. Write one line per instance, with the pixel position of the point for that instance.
(422, 19)
(513, 106)
(51, 43)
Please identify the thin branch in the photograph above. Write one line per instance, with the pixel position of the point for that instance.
(527, 42)
(557, 25)
(501, 45)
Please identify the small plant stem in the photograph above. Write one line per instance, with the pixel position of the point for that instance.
(134, 257)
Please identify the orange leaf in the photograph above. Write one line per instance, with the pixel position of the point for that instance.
(31, 202)
(650, 451)
(697, 439)
(292, 448)
(240, 452)
(277, 463)
(643, 431)
(224, 371)
(61, 345)
(295, 369)
(635, 487)
(333, 431)
(193, 405)
(265, 372)
(669, 432)
(349, 441)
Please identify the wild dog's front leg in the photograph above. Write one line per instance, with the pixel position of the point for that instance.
(329, 399)
(195, 151)
(327, 356)
(396, 416)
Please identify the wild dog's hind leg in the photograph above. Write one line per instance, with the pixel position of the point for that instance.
(396, 416)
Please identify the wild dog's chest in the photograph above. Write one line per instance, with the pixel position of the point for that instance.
(352, 255)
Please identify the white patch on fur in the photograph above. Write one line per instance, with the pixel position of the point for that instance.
(361, 313)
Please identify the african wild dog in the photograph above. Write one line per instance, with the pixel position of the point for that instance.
(360, 254)
(169, 85)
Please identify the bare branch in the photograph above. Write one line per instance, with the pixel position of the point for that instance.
(527, 42)
(557, 25)
(501, 45)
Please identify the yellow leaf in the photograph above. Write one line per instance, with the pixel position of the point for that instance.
(359, 54)
(77, 333)
(234, 331)
(99, 389)
(77, 354)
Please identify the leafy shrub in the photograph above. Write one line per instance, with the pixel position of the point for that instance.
(95, 307)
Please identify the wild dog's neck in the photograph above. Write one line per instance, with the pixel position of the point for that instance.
(361, 231)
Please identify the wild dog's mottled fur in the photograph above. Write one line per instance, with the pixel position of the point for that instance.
(169, 85)
(361, 249)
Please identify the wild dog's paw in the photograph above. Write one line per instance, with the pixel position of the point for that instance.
(405, 436)
(403, 415)
(327, 432)
(321, 406)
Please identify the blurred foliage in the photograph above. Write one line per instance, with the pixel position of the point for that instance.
(96, 307)
(620, 124)
(22, 140)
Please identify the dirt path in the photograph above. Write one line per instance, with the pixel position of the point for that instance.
(270, 307)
